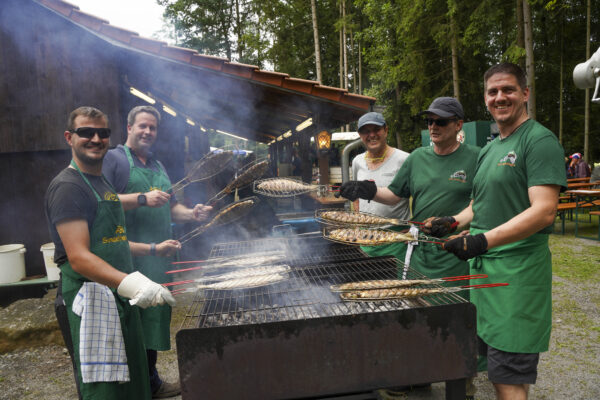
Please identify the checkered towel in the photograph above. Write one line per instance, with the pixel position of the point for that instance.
(101, 346)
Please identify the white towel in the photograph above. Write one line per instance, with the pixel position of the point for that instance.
(101, 346)
(409, 249)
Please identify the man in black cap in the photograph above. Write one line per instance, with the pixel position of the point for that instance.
(439, 178)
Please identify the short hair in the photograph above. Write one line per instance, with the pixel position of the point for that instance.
(86, 111)
(140, 109)
(506, 68)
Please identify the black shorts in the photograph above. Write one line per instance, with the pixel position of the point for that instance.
(509, 368)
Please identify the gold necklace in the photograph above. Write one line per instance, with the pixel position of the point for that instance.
(377, 159)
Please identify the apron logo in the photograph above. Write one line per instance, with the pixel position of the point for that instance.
(508, 159)
(120, 236)
(459, 176)
(154, 188)
(109, 196)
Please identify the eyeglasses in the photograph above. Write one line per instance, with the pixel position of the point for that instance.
(88, 133)
(439, 122)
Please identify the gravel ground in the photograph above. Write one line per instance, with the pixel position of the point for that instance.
(570, 370)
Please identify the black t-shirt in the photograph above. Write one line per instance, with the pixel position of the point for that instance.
(68, 197)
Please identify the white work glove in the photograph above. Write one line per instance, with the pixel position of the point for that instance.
(144, 292)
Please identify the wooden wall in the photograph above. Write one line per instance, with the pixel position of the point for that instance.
(48, 67)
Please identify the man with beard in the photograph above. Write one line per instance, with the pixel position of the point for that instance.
(515, 196)
(101, 328)
(143, 187)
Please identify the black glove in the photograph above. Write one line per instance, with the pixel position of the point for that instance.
(465, 247)
(442, 226)
(353, 190)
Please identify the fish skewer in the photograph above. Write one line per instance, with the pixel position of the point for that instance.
(356, 218)
(284, 187)
(240, 261)
(226, 215)
(397, 283)
(404, 293)
(205, 168)
(369, 237)
(249, 175)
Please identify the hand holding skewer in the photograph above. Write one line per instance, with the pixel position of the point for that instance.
(201, 212)
(466, 246)
(439, 226)
(353, 190)
(157, 198)
(167, 248)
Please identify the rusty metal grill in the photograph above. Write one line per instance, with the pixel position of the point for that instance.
(298, 339)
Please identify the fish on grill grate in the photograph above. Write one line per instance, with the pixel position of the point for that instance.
(244, 283)
(353, 217)
(246, 273)
(379, 284)
(244, 261)
(283, 185)
(388, 294)
(367, 237)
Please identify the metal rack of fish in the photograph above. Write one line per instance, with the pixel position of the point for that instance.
(296, 338)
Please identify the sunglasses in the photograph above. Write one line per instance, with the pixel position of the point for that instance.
(439, 122)
(88, 133)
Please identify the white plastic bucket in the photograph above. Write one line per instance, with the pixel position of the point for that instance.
(12, 263)
(52, 270)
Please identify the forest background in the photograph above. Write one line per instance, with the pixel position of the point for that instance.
(408, 52)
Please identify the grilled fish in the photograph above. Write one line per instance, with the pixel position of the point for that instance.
(349, 217)
(388, 294)
(368, 237)
(378, 284)
(245, 261)
(282, 185)
(231, 212)
(247, 273)
(244, 283)
(210, 165)
(247, 177)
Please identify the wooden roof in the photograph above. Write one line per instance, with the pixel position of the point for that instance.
(216, 93)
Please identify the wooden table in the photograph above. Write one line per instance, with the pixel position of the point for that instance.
(584, 199)
(328, 201)
(571, 180)
(581, 185)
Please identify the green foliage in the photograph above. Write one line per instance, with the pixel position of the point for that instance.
(406, 50)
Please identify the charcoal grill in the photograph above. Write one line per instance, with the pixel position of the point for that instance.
(296, 339)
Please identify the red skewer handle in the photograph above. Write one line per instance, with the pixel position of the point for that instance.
(483, 285)
(464, 277)
(173, 271)
(178, 283)
(187, 262)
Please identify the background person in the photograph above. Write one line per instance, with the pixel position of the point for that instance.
(379, 164)
(515, 195)
(144, 190)
(578, 168)
(86, 222)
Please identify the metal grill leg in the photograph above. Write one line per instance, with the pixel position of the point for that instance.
(456, 389)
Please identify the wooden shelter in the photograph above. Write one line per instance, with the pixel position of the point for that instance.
(55, 58)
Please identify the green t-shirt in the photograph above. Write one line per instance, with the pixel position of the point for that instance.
(531, 156)
(440, 185)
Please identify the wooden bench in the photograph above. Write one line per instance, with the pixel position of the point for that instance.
(563, 208)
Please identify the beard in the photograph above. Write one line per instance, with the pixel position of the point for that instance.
(91, 161)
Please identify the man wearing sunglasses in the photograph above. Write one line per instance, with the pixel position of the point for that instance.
(514, 200)
(87, 225)
(145, 191)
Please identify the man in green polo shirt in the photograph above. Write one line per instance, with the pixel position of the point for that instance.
(515, 195)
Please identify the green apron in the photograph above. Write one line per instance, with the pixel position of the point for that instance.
(147, 225)
(515, 318)
(109, 224)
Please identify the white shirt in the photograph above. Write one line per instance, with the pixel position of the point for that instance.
(383, 176)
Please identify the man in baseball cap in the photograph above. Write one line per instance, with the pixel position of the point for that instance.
(371, 118)
(445, 107)
(578, 168)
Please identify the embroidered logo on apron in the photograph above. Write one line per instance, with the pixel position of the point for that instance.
(459, 176)
(508, 159)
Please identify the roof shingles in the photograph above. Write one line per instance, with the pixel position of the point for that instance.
(192, 57)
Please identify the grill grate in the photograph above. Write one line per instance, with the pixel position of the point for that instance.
(306, 293)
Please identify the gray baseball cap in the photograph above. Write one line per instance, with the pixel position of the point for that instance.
(445, 107)
(374, 118)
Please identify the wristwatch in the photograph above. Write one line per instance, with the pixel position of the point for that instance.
(152, 249)
(142, 199)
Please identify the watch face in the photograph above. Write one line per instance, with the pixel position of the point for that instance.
(142, 199)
